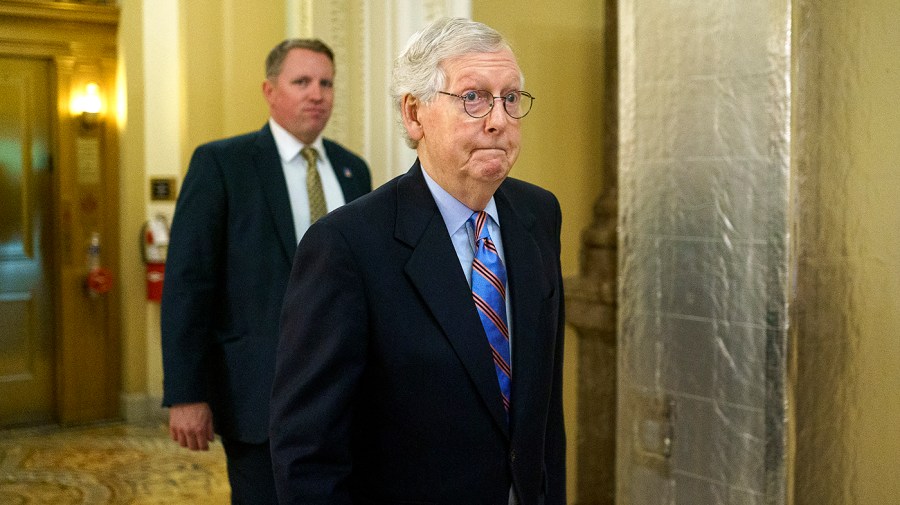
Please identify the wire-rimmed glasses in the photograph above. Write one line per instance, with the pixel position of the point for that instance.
(479, 103)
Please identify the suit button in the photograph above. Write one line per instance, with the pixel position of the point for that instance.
(512, 456)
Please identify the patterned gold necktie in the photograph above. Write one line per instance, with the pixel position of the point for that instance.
(317, 206)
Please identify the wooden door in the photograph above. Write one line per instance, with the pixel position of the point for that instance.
(26, 251)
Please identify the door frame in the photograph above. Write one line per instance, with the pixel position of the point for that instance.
(80, 41)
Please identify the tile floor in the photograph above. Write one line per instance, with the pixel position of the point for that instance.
(108, 464)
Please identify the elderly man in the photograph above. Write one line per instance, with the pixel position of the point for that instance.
(421, 349)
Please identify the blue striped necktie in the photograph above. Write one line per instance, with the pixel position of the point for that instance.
(489, 293)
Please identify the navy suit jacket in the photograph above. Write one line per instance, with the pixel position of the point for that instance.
(385, 389)
(229, 258)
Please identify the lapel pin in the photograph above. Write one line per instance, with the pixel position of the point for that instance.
(348, 173)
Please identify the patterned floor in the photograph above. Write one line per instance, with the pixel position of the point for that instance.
(112, 464)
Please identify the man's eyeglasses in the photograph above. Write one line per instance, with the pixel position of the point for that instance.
(479, 103)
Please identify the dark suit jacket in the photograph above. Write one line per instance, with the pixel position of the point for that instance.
(385, 389)
(229, 259)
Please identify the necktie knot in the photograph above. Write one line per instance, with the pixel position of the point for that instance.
(479, 225)
(309, 154)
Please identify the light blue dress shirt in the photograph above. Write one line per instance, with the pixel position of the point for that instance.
(456, 215)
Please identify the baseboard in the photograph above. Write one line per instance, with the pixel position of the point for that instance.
(143, 408)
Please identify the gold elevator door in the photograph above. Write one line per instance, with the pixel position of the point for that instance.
(26, 273)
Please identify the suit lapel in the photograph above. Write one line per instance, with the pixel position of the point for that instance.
(349, 186)
(523, 262)
(445, 290)
(267, 164)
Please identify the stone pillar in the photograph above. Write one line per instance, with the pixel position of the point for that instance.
(591, 304)
(591, 310)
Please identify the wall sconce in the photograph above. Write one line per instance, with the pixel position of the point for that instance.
(88, 106)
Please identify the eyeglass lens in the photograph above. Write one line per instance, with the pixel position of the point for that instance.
(479, 103)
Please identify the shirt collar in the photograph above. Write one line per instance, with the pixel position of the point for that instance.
(454, 212)
(288, 145)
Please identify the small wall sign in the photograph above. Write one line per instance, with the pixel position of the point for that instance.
(162, 188)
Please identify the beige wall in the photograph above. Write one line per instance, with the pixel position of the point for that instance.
(131, 206)
(559, 48)
(875, 258)
(847, 390)
(219, 63)
(224, 48)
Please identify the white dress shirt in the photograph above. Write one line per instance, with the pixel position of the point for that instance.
(294, 168)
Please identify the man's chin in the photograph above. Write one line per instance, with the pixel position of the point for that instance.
(492, 165)
(493, 171)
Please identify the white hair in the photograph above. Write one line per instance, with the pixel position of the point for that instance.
(417, 70)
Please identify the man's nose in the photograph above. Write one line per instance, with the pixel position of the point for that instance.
(497, 117)
(316, 92)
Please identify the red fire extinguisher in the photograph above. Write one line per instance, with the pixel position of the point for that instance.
(99, 278)
(154, 246)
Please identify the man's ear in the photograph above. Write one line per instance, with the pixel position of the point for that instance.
(410, 107)
(267, 90)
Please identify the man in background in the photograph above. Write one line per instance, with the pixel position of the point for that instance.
(421, 347)
(245, 203)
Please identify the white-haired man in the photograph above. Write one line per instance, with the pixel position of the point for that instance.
(420, 358)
